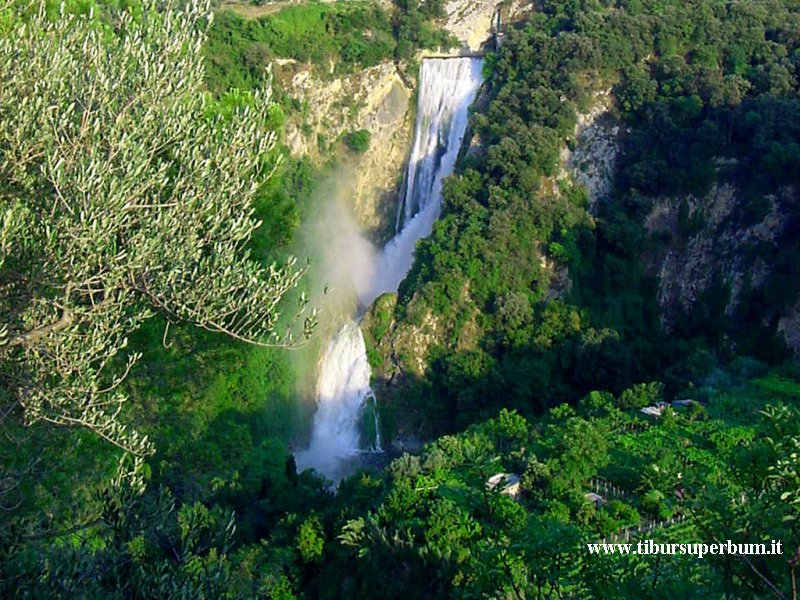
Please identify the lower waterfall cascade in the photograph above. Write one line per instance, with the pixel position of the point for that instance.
(447, 88)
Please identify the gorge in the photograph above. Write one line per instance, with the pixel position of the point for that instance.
(205, 285)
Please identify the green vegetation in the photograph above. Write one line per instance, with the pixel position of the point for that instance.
(413, 29)
(430, 526)
(113, 213)
(549, 336)
(696, 85)
(357, 141)
(335, 37)
(347, 35)
(437, 529)
(207, 419)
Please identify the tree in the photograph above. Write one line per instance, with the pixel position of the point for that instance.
(310, 540)
(122, 194)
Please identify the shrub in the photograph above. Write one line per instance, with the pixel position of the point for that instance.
(358, 141)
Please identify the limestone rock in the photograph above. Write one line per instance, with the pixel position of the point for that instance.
(471, 21)
(376, 99)
(594, 160)
(718, 250)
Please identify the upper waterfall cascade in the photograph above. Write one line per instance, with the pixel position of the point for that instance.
(447, 87)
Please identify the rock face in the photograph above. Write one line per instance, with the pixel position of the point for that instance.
(789, 328)
(473, 22)
(376, 99)
(594, 160)
(404, 348)
(705, 247)
(708, 246)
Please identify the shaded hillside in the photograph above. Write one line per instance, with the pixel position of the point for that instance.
(536, 295)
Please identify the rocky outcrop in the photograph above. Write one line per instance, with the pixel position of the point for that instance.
(376, 99)
(703, 248)
(473, 22)
(709, 246)
(590, 161)
(593, 161)
(789, 328)
(402, 349)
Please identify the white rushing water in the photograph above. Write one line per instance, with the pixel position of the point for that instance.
(342, 392)
(447, 87)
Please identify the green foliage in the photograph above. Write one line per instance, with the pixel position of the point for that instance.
(412, 28)
(123, 197)
(640, 395)
(150, 549)
(344, 36)
(561, 302)
(351, 35)
(439, 530)
(225, 515)
(218, 413)
(777, 386)
(358, 141)
(310, 541)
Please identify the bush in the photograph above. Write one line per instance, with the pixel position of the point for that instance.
(358, 141)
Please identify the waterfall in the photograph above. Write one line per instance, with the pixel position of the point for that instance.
(342, 392)
(447, 87)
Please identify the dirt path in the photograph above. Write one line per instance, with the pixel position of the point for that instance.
(252, 11)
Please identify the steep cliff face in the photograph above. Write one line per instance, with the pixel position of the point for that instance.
(789, 328)
(471, 22)
(399, 351)
(708, 253)
(377, 100)
(474, 22)
(402, 348)
(593, 160)
(713, 251)
(711, 256)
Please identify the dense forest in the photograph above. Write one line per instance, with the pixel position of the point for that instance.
(152, 313)
(697, 86)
